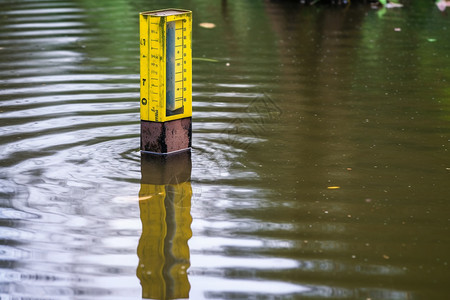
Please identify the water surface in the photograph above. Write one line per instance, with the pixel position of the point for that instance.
(319, 169)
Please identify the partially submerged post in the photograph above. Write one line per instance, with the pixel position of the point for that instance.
(166, 80)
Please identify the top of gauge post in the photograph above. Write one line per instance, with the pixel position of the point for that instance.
(165, 12)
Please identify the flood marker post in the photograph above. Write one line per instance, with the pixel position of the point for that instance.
(166, 128)
(166, 80)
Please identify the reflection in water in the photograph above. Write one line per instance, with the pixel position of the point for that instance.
(165, 205)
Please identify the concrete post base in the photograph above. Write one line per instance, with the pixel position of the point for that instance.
(166, 137)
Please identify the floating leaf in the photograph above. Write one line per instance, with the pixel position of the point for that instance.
(333, 187)
(207, 25)
(205, 59)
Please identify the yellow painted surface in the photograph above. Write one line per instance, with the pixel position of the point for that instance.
(153, 54)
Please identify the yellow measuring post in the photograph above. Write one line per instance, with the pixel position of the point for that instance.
(166, 64)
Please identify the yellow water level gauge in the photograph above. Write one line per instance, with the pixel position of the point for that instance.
(166, 64)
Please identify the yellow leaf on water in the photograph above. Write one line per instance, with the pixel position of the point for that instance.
(333, 187)
(207, 25)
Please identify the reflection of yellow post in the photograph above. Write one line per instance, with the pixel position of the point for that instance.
(163, 249)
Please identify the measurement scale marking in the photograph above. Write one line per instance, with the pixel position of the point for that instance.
(144, 52)
(182, 69)
(154, 65)
(166, 78)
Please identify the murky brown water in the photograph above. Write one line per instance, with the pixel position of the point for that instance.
(320, 165)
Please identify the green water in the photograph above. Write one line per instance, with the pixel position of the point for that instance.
(320, 164)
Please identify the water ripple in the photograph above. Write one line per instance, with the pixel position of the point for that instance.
(264, 223)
